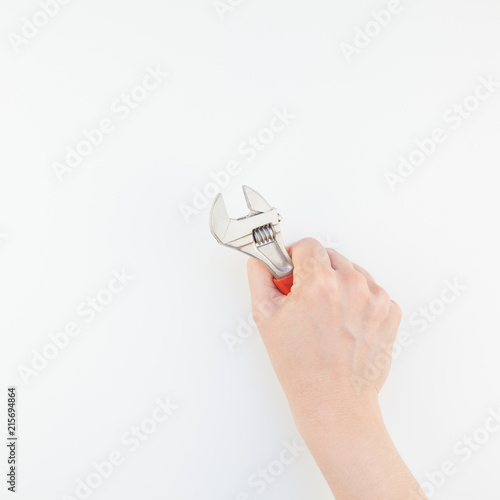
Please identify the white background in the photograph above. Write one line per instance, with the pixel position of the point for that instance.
(163, 336)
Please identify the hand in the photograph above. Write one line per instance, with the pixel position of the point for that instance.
(330, 342)
(330, 339)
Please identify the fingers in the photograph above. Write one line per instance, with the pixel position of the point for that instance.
(365, 273)
(342, 264)
(374, 287)
(339, 262)
(309, 255)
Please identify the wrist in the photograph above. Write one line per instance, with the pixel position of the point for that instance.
(341, 421)
(357, 456)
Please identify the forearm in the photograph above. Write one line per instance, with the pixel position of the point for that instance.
(358, 458)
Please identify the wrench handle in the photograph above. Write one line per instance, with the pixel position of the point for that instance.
(284, 285)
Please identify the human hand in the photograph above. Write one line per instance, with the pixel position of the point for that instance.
(330, 339)
(330, 343)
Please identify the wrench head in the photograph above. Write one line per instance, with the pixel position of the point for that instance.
(257, 234)
(223, 227)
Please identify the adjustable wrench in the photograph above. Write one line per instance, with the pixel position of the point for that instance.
(257, 234)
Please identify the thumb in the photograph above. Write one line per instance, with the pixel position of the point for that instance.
(265, 296)
(309, 256)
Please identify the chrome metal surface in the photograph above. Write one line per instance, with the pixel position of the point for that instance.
(257, 234)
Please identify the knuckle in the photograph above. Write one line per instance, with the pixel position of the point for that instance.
(311, 270)
(308, 242)
(396, 312)
(355, 281)
(380, 304)
(380, 296)
(320, 281)
(305, 244)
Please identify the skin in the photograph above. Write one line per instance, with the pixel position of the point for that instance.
(330, 343)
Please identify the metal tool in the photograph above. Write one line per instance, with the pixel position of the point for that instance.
(257, 234)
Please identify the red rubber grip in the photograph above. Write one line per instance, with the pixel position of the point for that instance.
(284, 285)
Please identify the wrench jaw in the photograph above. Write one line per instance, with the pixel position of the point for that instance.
(255, 203)
(258, 234)
(219, 219)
